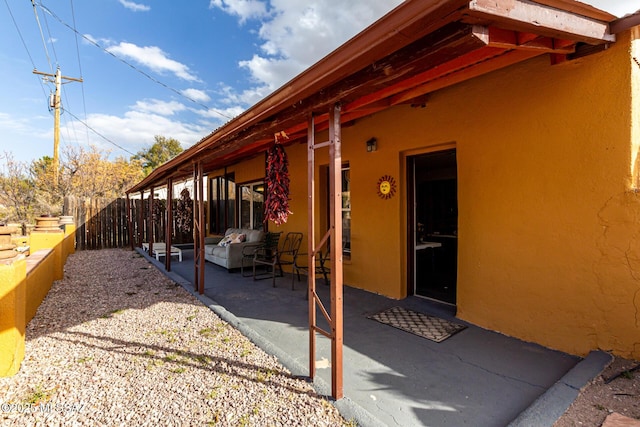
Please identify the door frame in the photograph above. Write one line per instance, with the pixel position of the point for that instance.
(410, 209)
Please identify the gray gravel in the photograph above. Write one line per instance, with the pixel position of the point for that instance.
(117, 343)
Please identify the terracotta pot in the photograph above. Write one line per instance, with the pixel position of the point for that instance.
(6, 247)
(66, 219)
(48, 223)
(5, 234)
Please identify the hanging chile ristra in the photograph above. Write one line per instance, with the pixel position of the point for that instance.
(277, 178)
(184, 212)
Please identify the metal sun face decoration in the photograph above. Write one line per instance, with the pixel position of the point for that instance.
(386, 187)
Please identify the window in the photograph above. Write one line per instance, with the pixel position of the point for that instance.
(222, 203)
(345, 208)
(252, 206)
(346, 211)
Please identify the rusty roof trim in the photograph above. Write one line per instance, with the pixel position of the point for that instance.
(337, 73)
(625, 23)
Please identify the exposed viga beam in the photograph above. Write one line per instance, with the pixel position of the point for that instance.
(542, 19)
(473, 70)
(507, 39)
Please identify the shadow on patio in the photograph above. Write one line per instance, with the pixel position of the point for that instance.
(391, 377)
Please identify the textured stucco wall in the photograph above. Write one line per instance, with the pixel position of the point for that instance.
(549, 222)
(12, 314)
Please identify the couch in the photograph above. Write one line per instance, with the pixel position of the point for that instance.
(228, 254)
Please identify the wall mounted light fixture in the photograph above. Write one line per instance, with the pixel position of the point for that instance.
(372, 145)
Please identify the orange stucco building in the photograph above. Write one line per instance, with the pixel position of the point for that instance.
(512, 193)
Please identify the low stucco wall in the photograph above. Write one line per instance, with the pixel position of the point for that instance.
(24, 283)
(12, 314)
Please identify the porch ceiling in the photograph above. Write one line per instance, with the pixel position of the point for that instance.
(418, 48)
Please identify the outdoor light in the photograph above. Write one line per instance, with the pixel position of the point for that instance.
(372, 145)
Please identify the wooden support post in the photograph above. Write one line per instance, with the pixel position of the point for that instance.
(141, 220)
(311, 259)
(150, 223)
(129, 222)
(169, 225)
(335, 317)
(198, 230)
(335, 221)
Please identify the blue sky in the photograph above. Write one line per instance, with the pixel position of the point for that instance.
(161, 67)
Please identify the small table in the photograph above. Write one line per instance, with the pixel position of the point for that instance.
(159, 249)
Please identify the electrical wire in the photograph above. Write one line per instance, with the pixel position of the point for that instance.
(44, 43)
(148, 76)
(24, 44)
(99, 134)
(40, 80)
(53, 46)
(75, 32)
(64, 94)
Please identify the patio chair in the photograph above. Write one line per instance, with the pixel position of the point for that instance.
(273, 257)
(249, 252)
(263, 252)
(287, 255)
(321, 267)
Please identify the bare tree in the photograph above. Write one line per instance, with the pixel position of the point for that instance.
(17, 191)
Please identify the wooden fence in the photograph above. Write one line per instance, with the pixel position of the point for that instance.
(102, 223)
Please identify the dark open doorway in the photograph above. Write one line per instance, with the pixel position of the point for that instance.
(433, 234)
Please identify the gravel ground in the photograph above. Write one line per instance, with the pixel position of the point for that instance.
(117, 343)
(617, 390)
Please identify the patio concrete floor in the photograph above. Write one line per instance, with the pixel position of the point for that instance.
(394, 378)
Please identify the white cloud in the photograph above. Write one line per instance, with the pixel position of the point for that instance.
(88, 38)
(196, 95)
(244, 9)
(136, 129)
(221, 115)
(136, 7)
(156, 106)
(297, 34)
(618, 7)
(154, 58)
(9, 122)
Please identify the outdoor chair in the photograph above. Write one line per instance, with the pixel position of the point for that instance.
(266, 255)
(249, 251)
(287, 255)
(273, 257)
(322, 266)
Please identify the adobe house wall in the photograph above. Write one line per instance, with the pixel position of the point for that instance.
(549, 220)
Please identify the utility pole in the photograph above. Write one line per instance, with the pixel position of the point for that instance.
(57, 79)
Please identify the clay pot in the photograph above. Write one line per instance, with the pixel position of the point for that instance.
(66, 219)
(48, 223)
(6, 247)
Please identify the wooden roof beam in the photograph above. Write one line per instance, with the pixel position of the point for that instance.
(509, 39)
(525, 15)
(475, 70)
(461, 62)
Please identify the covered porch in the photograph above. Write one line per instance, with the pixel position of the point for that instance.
(393, 70)
(475, 377)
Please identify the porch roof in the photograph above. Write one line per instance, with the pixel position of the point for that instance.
(417, 48)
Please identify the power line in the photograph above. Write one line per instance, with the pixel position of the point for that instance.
(41, 81)
(53, 46)
(99, 134)
(44, 43)
(153, 79)
(24, 44)
(75, 32)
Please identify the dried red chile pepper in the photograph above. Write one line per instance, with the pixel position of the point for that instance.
(277, 179)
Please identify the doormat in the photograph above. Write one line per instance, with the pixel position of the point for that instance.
(423, 325)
